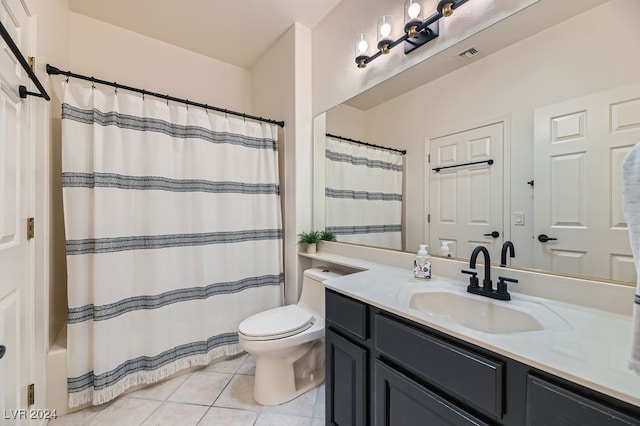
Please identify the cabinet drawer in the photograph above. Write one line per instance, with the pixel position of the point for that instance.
(347, 313)
(475, 379)
(550, 405)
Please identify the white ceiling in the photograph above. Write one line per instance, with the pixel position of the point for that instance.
(235, 32)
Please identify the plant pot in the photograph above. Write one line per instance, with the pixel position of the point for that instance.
(312, 248)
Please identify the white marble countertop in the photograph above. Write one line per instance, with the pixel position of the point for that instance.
(591, 347)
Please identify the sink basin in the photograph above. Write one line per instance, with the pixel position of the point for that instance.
(484, 314)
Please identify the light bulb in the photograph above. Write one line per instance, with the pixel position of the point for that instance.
(414, 10)
(362, 47)
(385, 30)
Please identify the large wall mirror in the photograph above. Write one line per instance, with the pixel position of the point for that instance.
(545, 123)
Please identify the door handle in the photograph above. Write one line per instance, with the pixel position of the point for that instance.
(3, 350)
(494, 234)
(543, 238)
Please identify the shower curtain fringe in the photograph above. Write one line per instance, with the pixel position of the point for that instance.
(98, 397)
(51, 70)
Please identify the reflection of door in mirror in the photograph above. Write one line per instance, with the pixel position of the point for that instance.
(465, 190)
(578, 196)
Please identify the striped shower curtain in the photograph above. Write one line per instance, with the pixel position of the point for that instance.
(363, 194)
(173, 236)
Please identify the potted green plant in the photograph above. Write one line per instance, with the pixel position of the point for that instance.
(309, 240)
(327, 236)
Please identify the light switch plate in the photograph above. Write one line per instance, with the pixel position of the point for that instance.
(518, 218)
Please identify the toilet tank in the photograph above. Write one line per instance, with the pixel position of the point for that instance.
(312, 297)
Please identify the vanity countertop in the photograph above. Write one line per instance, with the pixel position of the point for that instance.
(592, 347)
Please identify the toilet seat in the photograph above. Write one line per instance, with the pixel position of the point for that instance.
(276, 323)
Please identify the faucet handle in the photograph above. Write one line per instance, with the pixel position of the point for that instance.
(473, 279)
(501, 287)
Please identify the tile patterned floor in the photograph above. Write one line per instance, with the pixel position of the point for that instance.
(221, 395)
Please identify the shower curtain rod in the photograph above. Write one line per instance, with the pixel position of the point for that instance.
(51, 70)
(401, 151)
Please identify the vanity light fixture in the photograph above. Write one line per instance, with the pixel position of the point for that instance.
(417, 31)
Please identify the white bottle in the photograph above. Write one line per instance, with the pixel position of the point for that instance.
(422, 263)
(445, 250)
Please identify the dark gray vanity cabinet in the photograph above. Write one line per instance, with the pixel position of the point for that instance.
(347, 361)
(385, 370)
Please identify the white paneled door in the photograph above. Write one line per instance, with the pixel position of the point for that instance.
(15, 251)
(465, 201)
(579, 146)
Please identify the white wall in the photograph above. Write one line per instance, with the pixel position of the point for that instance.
(282, 89)
(346, 121)
(115, 54)
(51, 46)
(563, 62)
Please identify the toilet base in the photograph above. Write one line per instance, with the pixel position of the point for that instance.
(281, 379)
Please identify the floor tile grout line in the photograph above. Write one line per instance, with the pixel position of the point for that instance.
(150, 414)
(222, 391)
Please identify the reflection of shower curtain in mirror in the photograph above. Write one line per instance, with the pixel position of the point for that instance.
(174, 236)
(363, 194)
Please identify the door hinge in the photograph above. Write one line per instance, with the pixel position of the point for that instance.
(32, 62)
(31, 231)
(428, 158)
(31, 394)
(429, 218)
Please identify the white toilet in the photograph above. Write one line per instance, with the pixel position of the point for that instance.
(288, 343)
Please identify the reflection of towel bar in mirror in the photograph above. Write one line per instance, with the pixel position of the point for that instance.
(437, 169)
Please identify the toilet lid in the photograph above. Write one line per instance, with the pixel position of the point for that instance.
(276, 323)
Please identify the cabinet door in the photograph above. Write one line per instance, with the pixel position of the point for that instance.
(551, 405)
(346, 382)
(401, 401)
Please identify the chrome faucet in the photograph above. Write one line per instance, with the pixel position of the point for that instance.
(501, 292)
(508, 245)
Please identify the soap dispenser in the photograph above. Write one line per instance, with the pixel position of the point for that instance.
(422, 263)
(445, 250)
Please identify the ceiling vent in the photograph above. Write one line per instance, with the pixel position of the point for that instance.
(469, 53)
